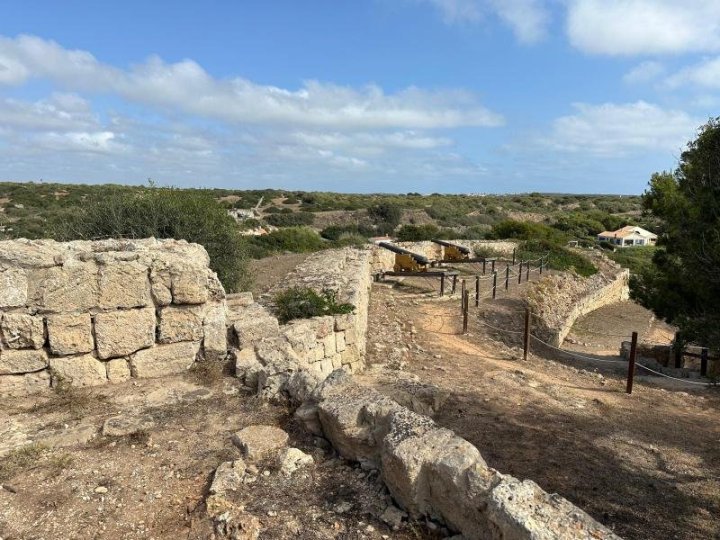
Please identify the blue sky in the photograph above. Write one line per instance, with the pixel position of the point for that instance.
(370, 95)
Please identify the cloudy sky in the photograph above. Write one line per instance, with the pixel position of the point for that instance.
(365, 95)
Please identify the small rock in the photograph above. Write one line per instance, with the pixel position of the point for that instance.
(258, 442)
(101, 489)
(393, 516)
(228, 477)
(292, 459)
(120, 426)
(343, 507)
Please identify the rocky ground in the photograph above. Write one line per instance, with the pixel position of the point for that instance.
(137, 460)
(646, 465)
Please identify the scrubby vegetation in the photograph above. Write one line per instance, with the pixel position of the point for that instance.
(303, 303)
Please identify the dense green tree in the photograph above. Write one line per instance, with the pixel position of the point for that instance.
(683, 285)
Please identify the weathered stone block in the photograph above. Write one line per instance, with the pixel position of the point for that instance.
(343, 322)
(21, 385)
(180, 323)
(301, 335)
(13, 287)
(22, 331)
(318, 353)
(350, 336)
(259, 442)
(70, 333)
(215, 332)
(118, 370)
(14, 362)
(340, 341)
(164, 359)
(254, 325)
(160, 284)
(247, 367)
(124, 285)
(189, 284)
(329, 345)
(83, 370)
(71, 287)
(120, 333)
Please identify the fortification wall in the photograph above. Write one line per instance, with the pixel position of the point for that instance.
(558, 300)
(383, 259)
(429, 470)
(93, 312)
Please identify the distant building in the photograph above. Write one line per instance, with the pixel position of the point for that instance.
(628, 236)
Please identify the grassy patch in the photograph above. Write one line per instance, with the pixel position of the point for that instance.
(20, 460)
(560, 258)
(303, 303)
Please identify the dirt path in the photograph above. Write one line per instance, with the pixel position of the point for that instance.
(647, 465)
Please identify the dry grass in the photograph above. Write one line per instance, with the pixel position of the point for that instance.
(20, 460)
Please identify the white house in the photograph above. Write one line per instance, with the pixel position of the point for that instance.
(628, 236)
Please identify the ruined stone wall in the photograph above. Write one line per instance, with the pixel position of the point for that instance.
(92, 312)
(383, 259)
(330, 342)
(558, 300)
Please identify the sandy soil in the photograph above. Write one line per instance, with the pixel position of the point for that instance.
(646, 465)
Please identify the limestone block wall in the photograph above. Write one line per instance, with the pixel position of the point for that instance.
(330, 342)
(91, 312)
(558, 300)
(383, 259)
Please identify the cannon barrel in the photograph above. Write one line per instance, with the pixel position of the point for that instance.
(397, 249)
(461, 249)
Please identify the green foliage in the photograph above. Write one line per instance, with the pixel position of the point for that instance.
(334, 232)
(294, 219)
(350, 240)
(683, 286)
(560, 257)
(385, 216)
(416, 233)
(525, 230)
(162, 213)
(296, 239)
(249, 223)
(303, 303)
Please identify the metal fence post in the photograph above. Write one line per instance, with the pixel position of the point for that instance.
(477, 291)
(442, 285)
(494, 285)
(507, 277)
(466, 303)
(520, 273)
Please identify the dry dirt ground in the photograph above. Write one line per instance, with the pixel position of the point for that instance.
(62, 478)
(270, 271)
(647, 465)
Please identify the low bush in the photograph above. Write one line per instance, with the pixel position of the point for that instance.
(294, 219)
(296, 239)
(560, 257)
(192, 215)
(303, 303)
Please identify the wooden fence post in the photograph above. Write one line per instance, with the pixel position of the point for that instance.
(466, 303)
(462, 288)
(442, 285)
(703, 361)
(678, 351)
(494, 285)
(484, 262)
(493, 265)
(507, 277)
(477, 291)
(631, 363)
(527, 272)
(526, 334)
(454, 284)
(542, 262)
(520, 272)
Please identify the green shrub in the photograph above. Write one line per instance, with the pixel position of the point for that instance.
(291, 219)
(334, 232)
(350, 239)
(560, 257)
(525, 230)
(417, 233)
(297, 239)
(303, 303)
(192, 215)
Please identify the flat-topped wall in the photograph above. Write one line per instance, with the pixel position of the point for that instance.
(558, 300)
(92, 312)
(330, 342)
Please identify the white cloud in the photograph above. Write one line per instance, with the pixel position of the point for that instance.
(63, 112)
(704, 74)
(185, 86)
(81, 141)
(371, 142)
(614, 130)
(644, 72)
(528, 19)
(632, 27)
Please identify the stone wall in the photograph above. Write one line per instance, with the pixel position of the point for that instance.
(92, 312)
(558, 300)
(321, 344)
(383, 259)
